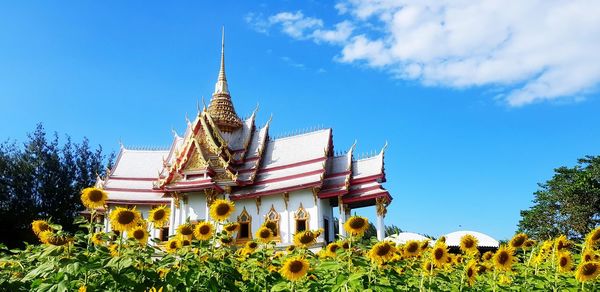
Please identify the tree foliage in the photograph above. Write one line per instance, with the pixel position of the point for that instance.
(569, 203)
(42, 178)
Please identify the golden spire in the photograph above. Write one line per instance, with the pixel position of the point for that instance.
(221, 108)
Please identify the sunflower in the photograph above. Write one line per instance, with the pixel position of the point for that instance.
(93, 198)
(221, 209)
(304, 238)
(427, 267)
(186, 230)
(488, 255)
(345, 244)
(562, 243)
(264, 234)
(565, 262)
(424, 245)
(271, 225)
(468, 244)
(529, 243)
(44, 236)
(504, 258)
(356, 225)
(439, 254)
(290, 248)
(332, 248)
(232, 227)
(593, 238)
(294, 268)
(139, 233)
(98, 238)
(159, 216)
(411, 248)
(185, 242)
(204, 230)
(251, 245)
(226, 240)
(382, 252)
(58, 240)
(518, 240)
(471, 272)
(483, 267)
(587, 271)
(123, 219)
(113, 249)
(589, 256)
(39, 226)
(173, 245)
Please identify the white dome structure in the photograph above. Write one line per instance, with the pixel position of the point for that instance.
(484, 240)
(403, 237)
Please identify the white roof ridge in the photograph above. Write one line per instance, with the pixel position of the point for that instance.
(309, 132)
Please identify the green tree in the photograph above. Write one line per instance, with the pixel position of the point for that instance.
(42, 179)
(568, 203)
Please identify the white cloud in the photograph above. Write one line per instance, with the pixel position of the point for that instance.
(533, 50)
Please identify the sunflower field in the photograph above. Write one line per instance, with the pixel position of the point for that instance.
(205, 257)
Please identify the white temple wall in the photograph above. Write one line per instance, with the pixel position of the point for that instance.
(197, 206)
(326, 213)
(306, 198)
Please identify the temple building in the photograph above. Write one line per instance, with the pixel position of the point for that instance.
(295, 181)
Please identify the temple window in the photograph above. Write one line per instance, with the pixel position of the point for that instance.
(301, 217)
(272, 222)
(245, 221)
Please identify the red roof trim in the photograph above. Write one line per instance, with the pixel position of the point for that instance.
(330, 194)
(133, 178)
(276, 191)
(337, 174)
(293, 176)
(384, 193)
(295, 164)
(132, 190)
(118, 202)
(366, 178)
(363, 190)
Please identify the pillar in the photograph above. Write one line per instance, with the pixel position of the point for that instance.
(342, 218)
(172, 217)
(381, 211)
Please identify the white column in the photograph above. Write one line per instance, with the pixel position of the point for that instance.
(172, 217)
(381, 209)
(380, 227)
(342, 219)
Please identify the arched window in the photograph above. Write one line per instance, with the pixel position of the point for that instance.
(272, 222)
(301, 216)
(245, 221)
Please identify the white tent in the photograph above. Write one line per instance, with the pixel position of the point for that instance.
(484, 240)
(403, 237)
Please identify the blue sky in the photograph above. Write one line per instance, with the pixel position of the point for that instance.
(473, 122)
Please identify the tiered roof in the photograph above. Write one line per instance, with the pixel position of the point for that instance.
(218, 153)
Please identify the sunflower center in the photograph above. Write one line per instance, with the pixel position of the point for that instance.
(158, 214)
(383, 250)
(95, 196)
(265, 233)
(563, 261)
(589, 269)
(519, 241)
(126, 217)
(231, 227)
(470, 272)
(469, 243)
(333, 248)
(204, 230)
(357, 223)
(438, 253)
(596, 236)
(307, 238)
(503, 258)
(185, 242)
(138, 234)
(412, 247)
(186, 230)
(252, 245)
(222, 209)
(296, 266)
(173, 244)
(226, 240)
